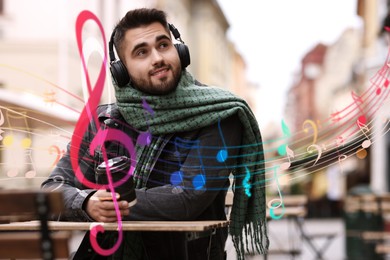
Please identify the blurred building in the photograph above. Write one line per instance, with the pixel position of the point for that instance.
(43, 87)
(334, 79)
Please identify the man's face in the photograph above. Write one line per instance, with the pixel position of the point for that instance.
(151, 59)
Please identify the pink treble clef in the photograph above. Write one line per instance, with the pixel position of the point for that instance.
(87, 115)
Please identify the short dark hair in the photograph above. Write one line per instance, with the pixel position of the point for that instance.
(134, 19)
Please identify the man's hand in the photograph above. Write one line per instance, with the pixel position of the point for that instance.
(101, 208)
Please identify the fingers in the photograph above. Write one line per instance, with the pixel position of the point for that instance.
(101, 208)
(104, 195)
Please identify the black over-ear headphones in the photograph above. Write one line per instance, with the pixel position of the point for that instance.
(119, 71)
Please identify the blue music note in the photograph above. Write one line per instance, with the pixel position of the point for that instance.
(247, 186)
(222, 154)
(177, 177)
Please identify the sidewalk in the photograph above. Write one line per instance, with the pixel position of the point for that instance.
(283, 234)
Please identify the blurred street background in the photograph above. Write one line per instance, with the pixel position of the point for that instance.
(323, 111)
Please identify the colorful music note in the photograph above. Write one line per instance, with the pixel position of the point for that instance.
(279, 201)
(364, 128)
(341, 157)
(286, 133)
(222, 154)
(290, 154)
(19, 119)
(147, 107)
(200, 179)
(361, 153)
(314, 127)
(318, 149)
(31, 173)
(335, 117)
(87, 115)
(9, 138)
(246, 184)
(145, 138)
(358, 101)
(59, 153)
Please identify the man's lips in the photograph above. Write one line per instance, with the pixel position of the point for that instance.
(159, 71)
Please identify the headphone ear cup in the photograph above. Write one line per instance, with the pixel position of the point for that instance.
(184, 54)
(119, 73)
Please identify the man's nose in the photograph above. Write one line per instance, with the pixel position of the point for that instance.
(156, 57)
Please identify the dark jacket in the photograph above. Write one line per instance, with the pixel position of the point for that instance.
(160, 200)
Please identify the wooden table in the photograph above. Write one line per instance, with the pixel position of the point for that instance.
(189, 230)
(179, 226)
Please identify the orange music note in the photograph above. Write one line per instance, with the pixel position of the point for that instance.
(17, 122)
(362, 153)
(313, 126)
(59, 154)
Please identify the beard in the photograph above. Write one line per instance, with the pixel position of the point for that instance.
(163, 87)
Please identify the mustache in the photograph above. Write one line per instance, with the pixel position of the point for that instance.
(158, 67)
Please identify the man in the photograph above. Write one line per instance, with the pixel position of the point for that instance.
(198, 135)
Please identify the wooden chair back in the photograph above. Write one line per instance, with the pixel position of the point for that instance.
(22, 205)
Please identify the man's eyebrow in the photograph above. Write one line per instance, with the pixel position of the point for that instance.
(162, 37)
(143, 44)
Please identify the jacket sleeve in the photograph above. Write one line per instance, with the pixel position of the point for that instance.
(63, 178)
(204, 178)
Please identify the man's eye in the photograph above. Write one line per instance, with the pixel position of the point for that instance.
(141, 52)
(163, 45)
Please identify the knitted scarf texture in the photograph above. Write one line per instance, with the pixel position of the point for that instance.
(192, 107)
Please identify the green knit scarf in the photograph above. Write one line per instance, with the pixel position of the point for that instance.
(192, 107)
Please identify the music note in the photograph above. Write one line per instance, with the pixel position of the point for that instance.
(314, 127)
(335, 116)
(200, 179)
(20, 120)
(340, 141)
(87, 115)
(246, 184)
(318, 149)
(145, 138)
(364, 128)
(31, 173)
(222, 154)
(290, 154)
(147, 107)
(277, 202)
(59, 154)
(358, 101)
(9, 138)
(286, 133)
(1, 123)
(362, 153)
